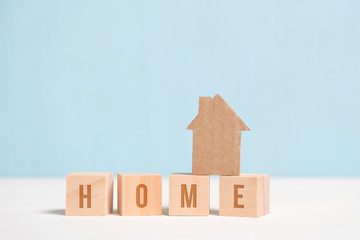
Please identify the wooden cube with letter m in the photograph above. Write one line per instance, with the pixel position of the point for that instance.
(89, 194)
(189, 195)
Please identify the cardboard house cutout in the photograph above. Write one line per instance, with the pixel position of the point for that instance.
(216, 138)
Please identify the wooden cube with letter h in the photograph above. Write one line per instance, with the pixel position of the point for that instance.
(247, 195)
(139, 194)
(89, 194)
(189, 195)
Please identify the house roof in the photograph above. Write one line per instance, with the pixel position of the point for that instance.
(209, 107)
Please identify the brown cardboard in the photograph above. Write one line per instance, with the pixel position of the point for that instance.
(216, 138)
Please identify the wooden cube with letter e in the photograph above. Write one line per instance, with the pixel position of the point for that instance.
(89, 193)
(139, 194)
(189, 195)
(247, 195)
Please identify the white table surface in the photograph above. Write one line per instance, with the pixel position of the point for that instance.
(301, 208)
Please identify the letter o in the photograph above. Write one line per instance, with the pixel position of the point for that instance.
(138, 188)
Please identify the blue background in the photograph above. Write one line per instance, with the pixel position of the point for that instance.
(112, 85)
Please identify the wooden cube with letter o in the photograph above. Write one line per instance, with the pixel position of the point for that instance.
(139, 194)
(247, 195)
(89, 193)
(189, 195)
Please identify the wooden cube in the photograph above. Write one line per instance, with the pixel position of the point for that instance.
(139, 194)
(189, 195)
(89, 193)
(247, 195)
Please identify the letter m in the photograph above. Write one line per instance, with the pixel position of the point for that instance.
(188, 198)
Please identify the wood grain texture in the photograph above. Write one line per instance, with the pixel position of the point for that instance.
(247, 195)
(139, 194)
(189, 195)
(89, 194)
(216, 138)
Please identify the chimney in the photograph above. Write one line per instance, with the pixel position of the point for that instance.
(204, 103)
